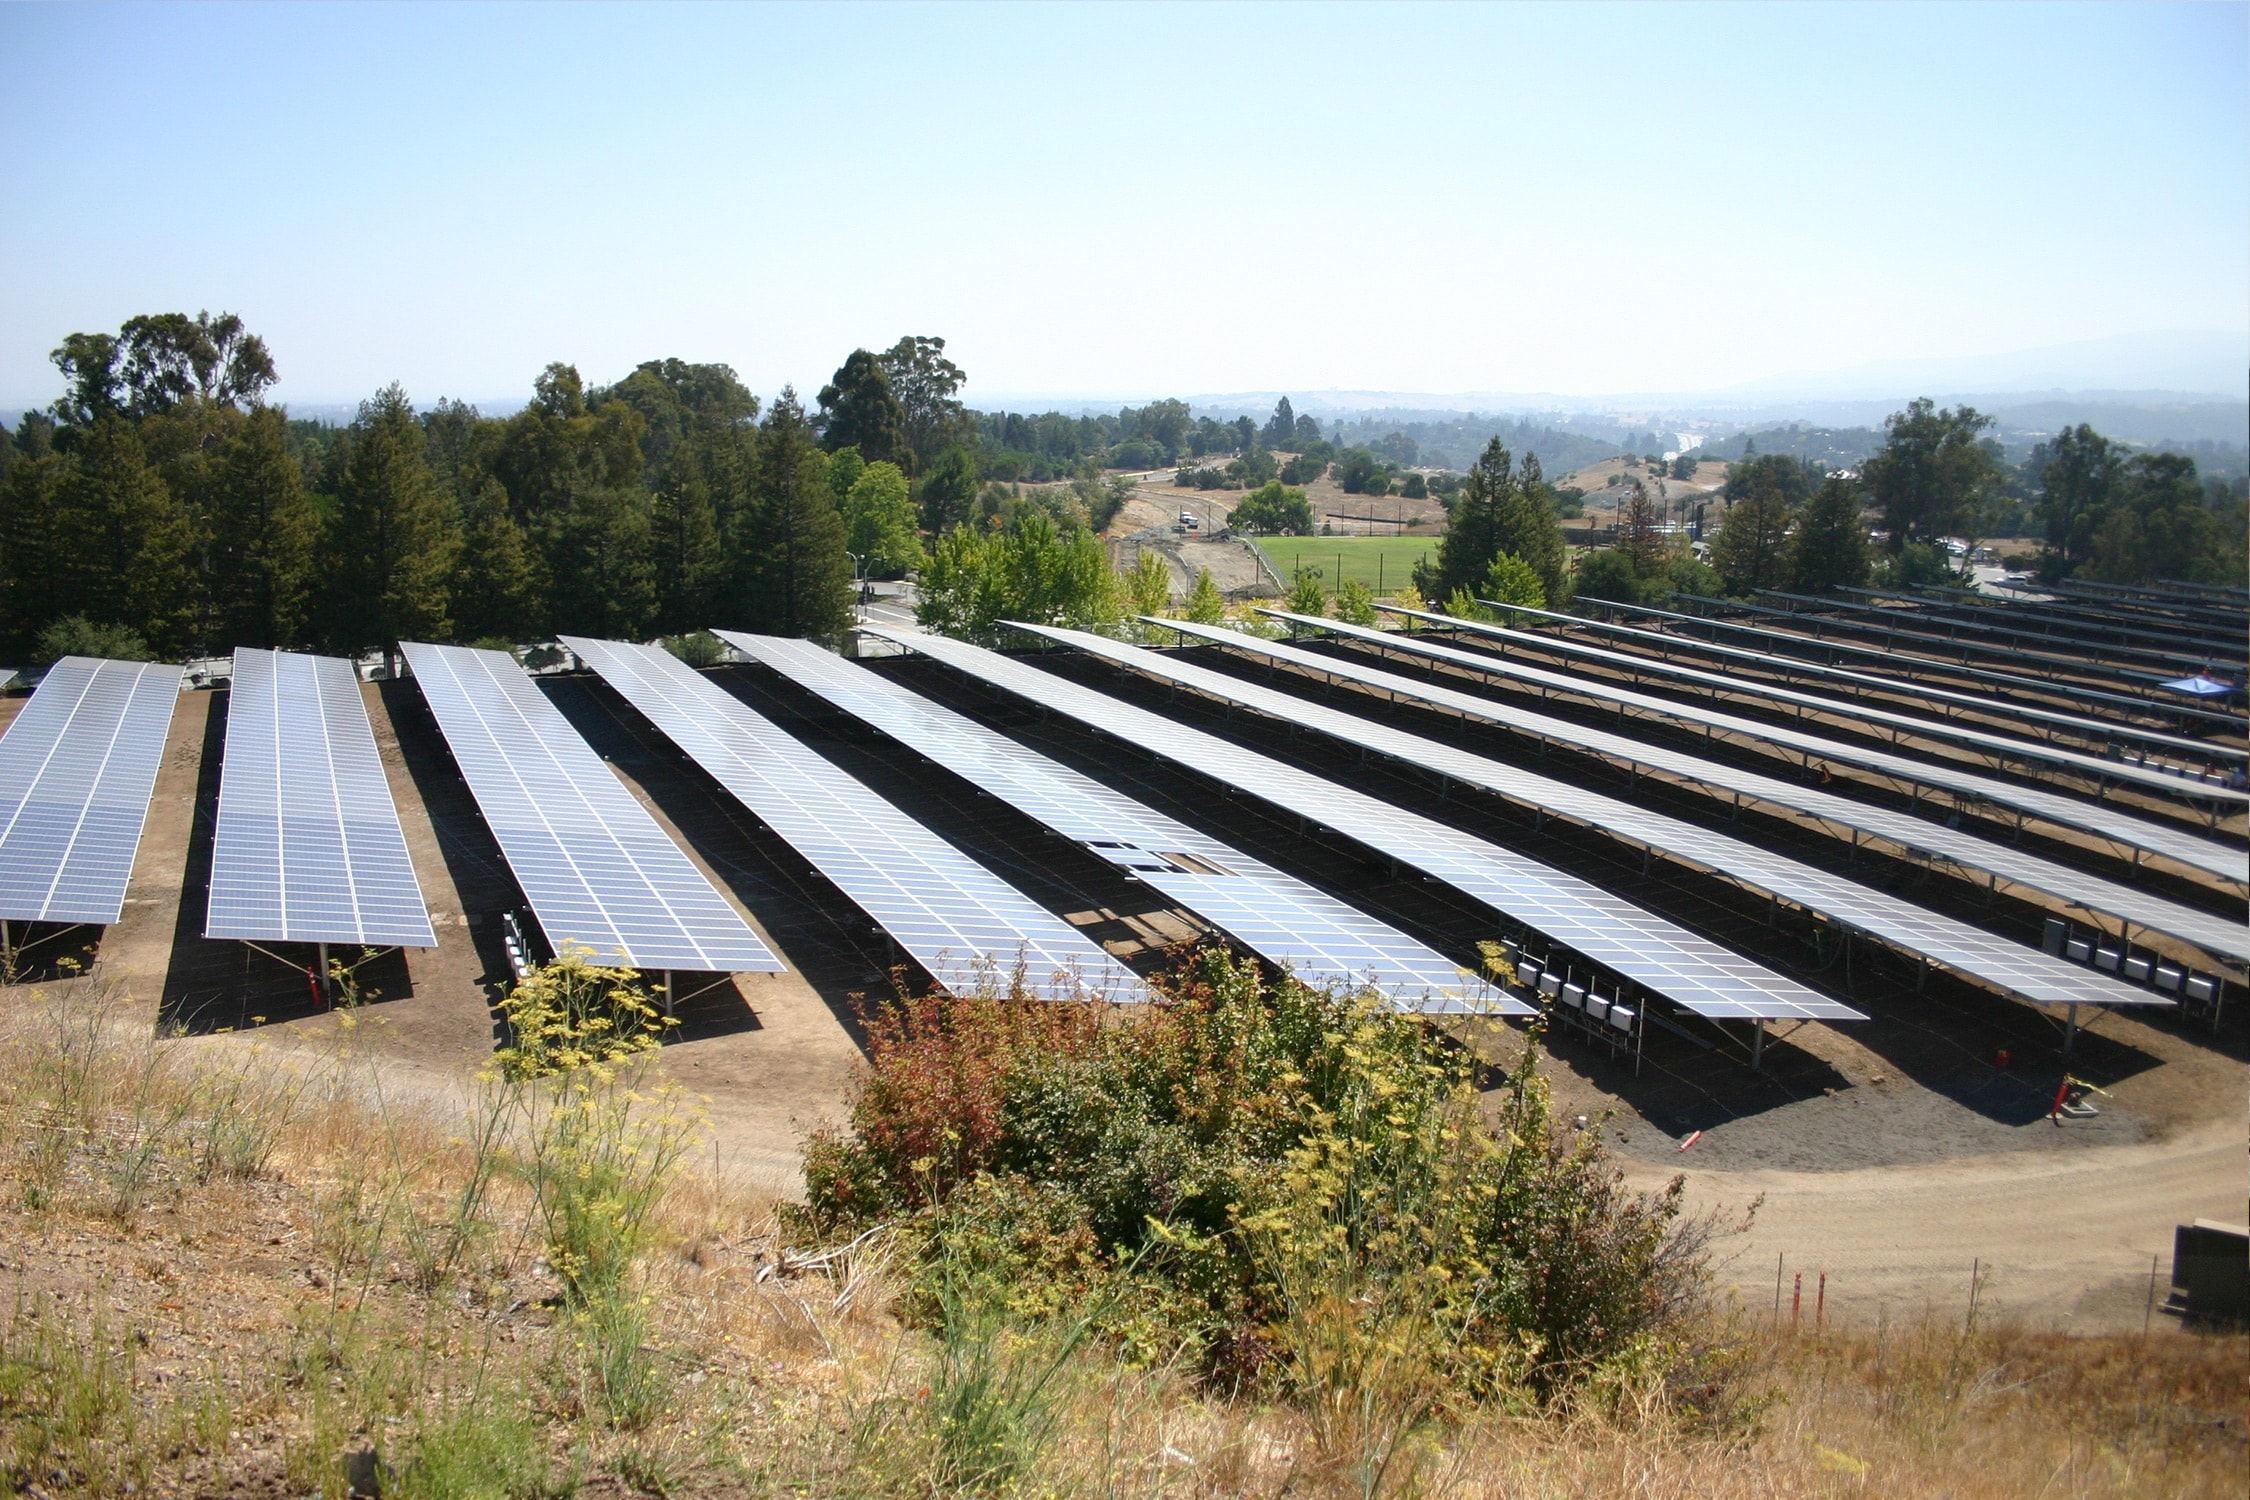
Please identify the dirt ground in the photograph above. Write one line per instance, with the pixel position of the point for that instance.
(1157, 501)
(1897, 1180)
(1234, 562)
(1890, 1172)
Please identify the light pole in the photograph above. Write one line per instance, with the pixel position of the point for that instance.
(859, 589)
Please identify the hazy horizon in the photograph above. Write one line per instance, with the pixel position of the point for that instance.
(1603, 203)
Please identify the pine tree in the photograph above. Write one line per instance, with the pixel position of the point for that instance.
(1640, 536)
(1530, 529)
(1498, 510)
(1281, 429)
(32, 589)
(858, 410)
(1751, 549)
(263, 531)
(689, 564)
(1472, 534)
(126, 546)
(500, 590)
(389, 552)
(1829, 548)
(793, 576)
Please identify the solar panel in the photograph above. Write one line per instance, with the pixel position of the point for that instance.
(2072, 812)
(596, 868)
(2011, 967)
(1938, 698)
(1918, 835)
(77, 768)
(2023, 621)
(308, 847)
(2005, 747)
(1862, 620)
(1831, 651)
(1640, 946)
(961, 922)
(1272, 913)
(2107, 655)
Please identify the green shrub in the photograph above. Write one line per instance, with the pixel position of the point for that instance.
(1355, 603)
(75, 635)
(1239, 1166)
(698, 649)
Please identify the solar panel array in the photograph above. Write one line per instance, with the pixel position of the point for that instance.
(1907, 667)
(596, 868)
(1646, 949)
(2022, 619)
(1940, 699)
(1272, 913)
(2010, 967)
(2214, 934)
(308, 847)
(2073, 655)
(2071, 812)
(2006, 747)
(961, 922)
(77, 769)
(1913, 649)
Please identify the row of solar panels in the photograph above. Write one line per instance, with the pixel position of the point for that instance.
(2011, 693)
(309, 846)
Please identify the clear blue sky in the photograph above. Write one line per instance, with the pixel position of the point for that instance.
(1089, 200)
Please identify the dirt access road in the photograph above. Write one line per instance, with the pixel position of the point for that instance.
(2059, 1240)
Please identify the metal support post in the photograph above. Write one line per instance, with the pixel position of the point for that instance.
(1758, 1046)
(327, 996)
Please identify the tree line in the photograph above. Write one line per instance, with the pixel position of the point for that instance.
(161, 506)
(2099, 511)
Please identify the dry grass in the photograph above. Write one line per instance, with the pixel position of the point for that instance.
(223, 1270)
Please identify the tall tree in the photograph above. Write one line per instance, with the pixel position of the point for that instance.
(1499, 509)
(2077, 475)
(387, 558)
(170, 358)
(1281, 428)
(1472, 531)
(1640, 533)
(1750, 550)
(947, 490)
(1531, 528)
(1829, 547)
(33, 589)
(1934, 473)
(500, 590)
(93, 385)
(857, 410)
(879, 521)
(262, 534)
(125, 545)
(690, 558)
(796, 579)
(2162, 525)
(925, 384)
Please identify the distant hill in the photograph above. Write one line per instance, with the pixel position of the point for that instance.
(1452, 440)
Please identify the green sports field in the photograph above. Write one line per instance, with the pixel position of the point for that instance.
(1384, 563)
